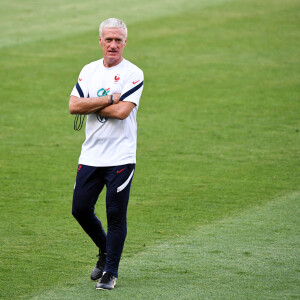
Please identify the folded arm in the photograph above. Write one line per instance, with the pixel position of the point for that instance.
(119, 111)
(86, 106)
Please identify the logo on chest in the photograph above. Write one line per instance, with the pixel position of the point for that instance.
(100, 93)
(103, 92)
(117, 78)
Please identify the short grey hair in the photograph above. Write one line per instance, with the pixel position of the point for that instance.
(112, 23)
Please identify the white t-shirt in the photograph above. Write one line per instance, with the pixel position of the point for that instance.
(110, 142)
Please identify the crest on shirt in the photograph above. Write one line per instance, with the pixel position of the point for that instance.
(117, 78)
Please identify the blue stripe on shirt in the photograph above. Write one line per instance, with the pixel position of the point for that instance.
(128, 93)
(79, 90)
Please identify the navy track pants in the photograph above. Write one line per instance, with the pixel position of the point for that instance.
(89, 184)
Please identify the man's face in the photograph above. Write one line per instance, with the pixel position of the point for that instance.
(112, 42)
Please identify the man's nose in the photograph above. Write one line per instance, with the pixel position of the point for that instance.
(113, 44)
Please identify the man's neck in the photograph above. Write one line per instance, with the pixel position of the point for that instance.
(109, 64)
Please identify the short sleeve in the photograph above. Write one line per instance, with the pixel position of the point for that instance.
(81, 87)
(133, 87)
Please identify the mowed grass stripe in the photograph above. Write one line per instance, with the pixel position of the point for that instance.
(27, 21)
(253, 255)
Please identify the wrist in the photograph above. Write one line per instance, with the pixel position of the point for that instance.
(111, 99)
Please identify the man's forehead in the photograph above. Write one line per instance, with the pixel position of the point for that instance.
(113, 32)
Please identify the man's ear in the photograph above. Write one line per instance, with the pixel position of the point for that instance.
(100, 41)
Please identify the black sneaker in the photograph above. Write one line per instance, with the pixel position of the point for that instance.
(98, 270)
(107, 282)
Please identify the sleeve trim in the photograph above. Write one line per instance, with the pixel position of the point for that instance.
(79, 90)
(128, 93)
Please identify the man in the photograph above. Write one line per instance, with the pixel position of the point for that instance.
(108, 92)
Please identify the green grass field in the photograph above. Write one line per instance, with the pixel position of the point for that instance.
(214, 207)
